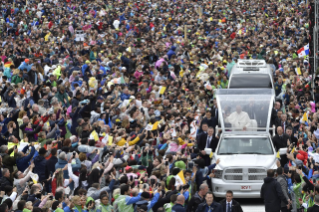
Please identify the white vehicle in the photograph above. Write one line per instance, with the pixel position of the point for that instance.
(251, 74)
(245, 148)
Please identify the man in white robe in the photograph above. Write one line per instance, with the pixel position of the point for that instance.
(239, 119)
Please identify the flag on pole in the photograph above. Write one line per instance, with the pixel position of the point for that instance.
(305, 118)
(180, 179)
(303, 51)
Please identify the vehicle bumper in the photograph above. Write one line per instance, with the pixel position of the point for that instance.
(220, 187)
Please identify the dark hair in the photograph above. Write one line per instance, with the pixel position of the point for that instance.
(103, 193)
(229, 192)
(124, 188)
(270, 173)
(3, 207)
(124, 179)
(210, 193)
(58, 195)
(37, 209)
(54, 151)
(21, 205)
(9, 202)
(94, 177)
(173, 198)
(279, 170)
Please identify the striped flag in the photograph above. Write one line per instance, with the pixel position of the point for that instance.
(180, 179)
(303, 51)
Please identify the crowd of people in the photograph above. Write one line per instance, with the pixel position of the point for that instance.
(105, 103)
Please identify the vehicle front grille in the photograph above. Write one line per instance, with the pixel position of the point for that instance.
(245, 174)
(234, 171)
(233, 177)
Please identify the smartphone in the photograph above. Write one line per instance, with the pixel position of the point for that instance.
(190, 165)
(152, 182)
(166, 163)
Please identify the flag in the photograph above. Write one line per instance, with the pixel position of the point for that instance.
(110, 140)
(180, 179)
(278, 155)
(303, 51)
(304, 119)
(162, 90)
(298, 72)
(34, 178)
(151, 127)
(94, 136)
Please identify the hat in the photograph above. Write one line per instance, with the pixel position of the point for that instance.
(132, 97)
(87, 62)
(180, 164)
(145, 195)
(42, 151)
(26, 60)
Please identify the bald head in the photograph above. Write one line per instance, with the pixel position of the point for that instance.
(180, 199)
(279, 130)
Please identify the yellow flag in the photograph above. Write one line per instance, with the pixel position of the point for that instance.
(110, 139)
(278, 155)
(162, 90)
(293, 150)
(155, 126)
(94, 135)
(298, 71)
(180, 179)
(211, 154)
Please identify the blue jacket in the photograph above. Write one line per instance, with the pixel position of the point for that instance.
(178, 208)
(215, 206)
(23, 163)
(24, 65)
(39, 167)
(149, 204)
(125, 96)
(61, 164)
(171, 52)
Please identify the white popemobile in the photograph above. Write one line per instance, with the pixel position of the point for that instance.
(245, 148)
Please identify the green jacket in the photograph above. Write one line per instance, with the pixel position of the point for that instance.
(43, 141)
(16, 79)
(168, 207)
(61, 97)
(125, 203)
(92, 56)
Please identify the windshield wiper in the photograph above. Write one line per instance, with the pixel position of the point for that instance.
(226, 153)
(252, 153)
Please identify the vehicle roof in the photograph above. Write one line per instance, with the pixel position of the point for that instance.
(251, 66)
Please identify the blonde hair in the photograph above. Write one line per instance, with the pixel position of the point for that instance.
(59, 178)
(75, 199)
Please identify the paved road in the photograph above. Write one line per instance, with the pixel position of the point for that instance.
(252, 205)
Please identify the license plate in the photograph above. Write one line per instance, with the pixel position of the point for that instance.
(245, 188)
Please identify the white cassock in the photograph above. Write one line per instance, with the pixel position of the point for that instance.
(238, 120)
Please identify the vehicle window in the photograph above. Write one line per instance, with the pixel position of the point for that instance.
(250, 81)
(244, 145)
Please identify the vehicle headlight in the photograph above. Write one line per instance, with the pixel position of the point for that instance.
(218, 173)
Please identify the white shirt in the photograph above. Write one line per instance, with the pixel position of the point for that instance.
(238, 120)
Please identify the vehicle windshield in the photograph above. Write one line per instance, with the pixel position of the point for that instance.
(250, 81)
(245, 145)
(243, 111)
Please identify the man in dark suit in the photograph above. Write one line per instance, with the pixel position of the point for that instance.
(281, 141)
(282, 122)
(292, 138)
(229, 204)
(274, 112)
(210, 120)
(315, 208)
(207, 140)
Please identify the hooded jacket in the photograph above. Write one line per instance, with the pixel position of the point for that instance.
(171, 52)
(272, 194)
(39, 167)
